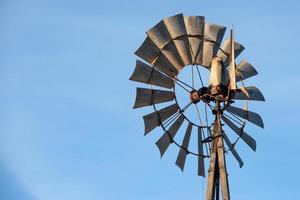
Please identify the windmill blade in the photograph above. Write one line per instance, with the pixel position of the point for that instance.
(244, 70)
(201, 168)
(247, 115)
(165, 66)
(195, 30)
(175, 25)
(232, 80)
(171, 53)
(161, 37)
(224, 53)
(148, 51)
(233, 151)
(146, 97)
(249, 93)
(178, 33)
(152, 54)
(159, 34)
(167, 138)
(144, 73)
(154, 119)
(240, 132)
(213, 35)
(181, 158)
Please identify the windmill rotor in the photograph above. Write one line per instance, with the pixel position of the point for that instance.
(172, 45)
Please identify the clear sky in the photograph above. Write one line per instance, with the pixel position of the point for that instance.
(67, 128)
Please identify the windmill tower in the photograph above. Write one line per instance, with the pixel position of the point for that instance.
(178, 42)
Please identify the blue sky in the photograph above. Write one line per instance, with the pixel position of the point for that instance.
(67, 128)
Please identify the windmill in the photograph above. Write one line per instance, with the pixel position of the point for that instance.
(178, 42)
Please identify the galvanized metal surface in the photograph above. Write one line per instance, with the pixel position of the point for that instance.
(244, 70)
(144, 73)
(171, 53)
(213, 35)
(146, 97)
(201, 167)
(166, 139)
(154, 119)
(249, 93)
(240, 132)
(148, 51)
(180, 161)
(253, 117)
(175, 25)
(232, 150)
(159, 34)
(224, 53)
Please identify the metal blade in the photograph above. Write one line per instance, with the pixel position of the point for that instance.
(195, 30)
(159, 34)
(148, 51)
(240, 132)
(244, 70)
(247, 115)
(233, 151)
(201, 168)
(224, 53)
(165, 66)
(178, 33)
(167, 138)
(249, 93)
(144, 73)
(146, 97)
(232, 80)
(182, 45)
(152, 54)
(154, 119)
(196, 49)
(181, 158)
(175, 25)
(213, 35)
(171, 53)
(194, 25)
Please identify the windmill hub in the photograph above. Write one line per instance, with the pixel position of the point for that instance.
(208, 94)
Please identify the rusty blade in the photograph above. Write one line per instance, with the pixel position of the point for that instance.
(240, 132)
(201, 168)
(148, 51)
(224, 53)
(244, 70)
(167, 138)
(154, 119)
(146, 97)
(144, 73)
(181, 158)
(213, 35)
(247, 115)
(195, 30)
(249, 93)
(233, 151)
